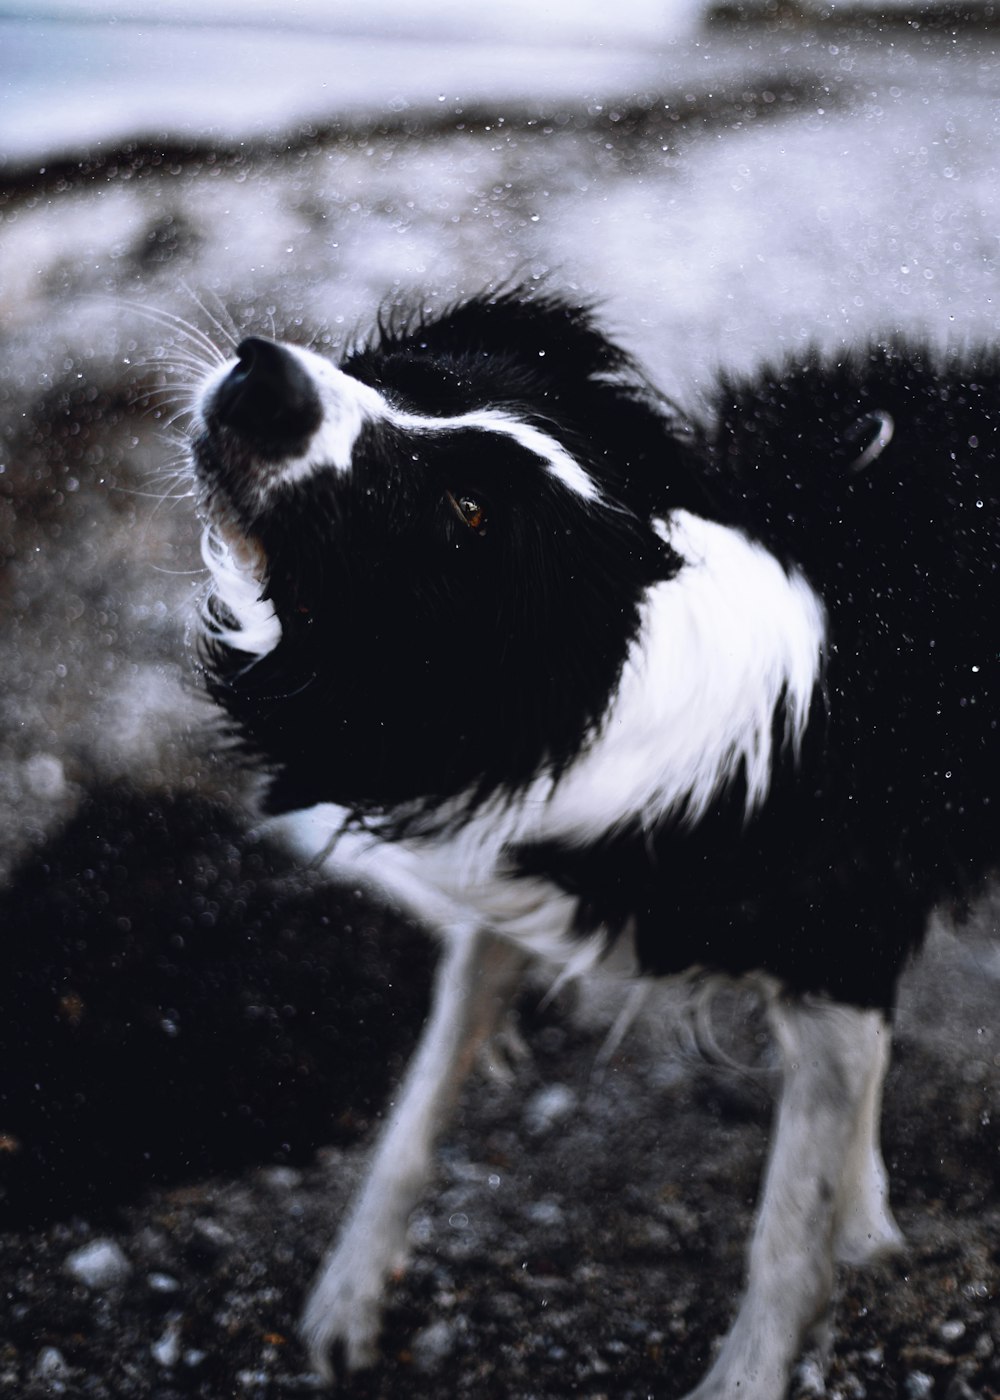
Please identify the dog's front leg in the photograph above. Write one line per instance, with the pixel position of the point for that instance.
(475, 979)
(832, 1056)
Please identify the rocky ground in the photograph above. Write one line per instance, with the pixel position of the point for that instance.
(196, 1023)
(197, 1038)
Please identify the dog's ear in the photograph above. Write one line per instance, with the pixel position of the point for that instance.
(535, 325)
(556, 338)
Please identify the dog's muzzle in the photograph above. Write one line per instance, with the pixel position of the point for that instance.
(268, 398)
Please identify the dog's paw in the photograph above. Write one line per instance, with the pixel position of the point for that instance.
(342, 1318)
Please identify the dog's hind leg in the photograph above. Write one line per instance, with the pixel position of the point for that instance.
(833, 1060)
(475, 979)
(865, 1228)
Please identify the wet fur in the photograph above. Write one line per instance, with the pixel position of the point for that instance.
(714, 692)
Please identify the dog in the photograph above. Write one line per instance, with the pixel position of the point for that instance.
(573, 674)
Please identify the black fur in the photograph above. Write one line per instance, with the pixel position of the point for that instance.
(421, 661)
(892, 808)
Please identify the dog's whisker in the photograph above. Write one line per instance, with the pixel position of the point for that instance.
(191, 334)
(228, 332)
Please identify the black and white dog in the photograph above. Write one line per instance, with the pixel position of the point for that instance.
(587, 680)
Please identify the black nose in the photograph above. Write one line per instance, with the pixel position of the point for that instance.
(268, 396)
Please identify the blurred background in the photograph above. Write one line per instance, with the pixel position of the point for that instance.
(731, 181)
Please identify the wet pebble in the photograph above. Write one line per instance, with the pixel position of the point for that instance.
(960, 1389)
(548, 1107)
(51, 1368)
(167, 1348)
(548, 1213)
(99, 1264)
(209, 1241)
(810, 1378)
(433, 1345)
(282, 1178)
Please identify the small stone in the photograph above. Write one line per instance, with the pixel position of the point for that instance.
(547, 1212)
(960, 1389)
(209, 1240)
(252, 1380)
(45, 776)
(433, 1345)
(918, 1385)
(952, 1331)
(51, 1367)
(99, 1264)
(282, 1178)
(167, 1350)
(810, 1377)
(548, 1107)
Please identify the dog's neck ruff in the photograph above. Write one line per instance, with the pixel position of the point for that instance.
(721, 647)
(247, 622)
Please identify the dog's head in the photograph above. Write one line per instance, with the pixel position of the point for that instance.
(429, 561)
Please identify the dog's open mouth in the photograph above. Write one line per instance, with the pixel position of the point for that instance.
(246, 552)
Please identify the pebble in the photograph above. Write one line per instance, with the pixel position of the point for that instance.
(210, 1240)
(45, 776)
(951, 1331)
(918, 1385)
(51, 1367)
(252, 1380)
(545, 1212)
(548, 1107)
(99, 1264)
(433, 1344)
(282, 1178)
(810, 1378)
(167, 1349)
(960, 1389)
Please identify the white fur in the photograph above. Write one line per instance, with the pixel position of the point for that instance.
(494, 420)
(474, 981)
(256, 629)
(833, 1062)
(448, 882)
(866, 1229)
(718, 647)
(886, 430)
(348, 405)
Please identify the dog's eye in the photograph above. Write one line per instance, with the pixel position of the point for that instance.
(469, 509)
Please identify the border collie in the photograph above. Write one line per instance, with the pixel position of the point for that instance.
(570, 674)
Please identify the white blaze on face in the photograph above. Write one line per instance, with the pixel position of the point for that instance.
(349, 405)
